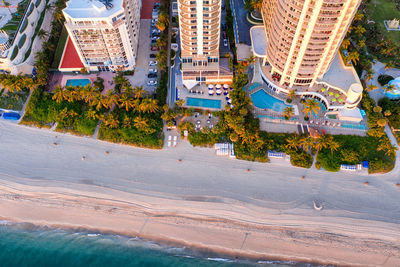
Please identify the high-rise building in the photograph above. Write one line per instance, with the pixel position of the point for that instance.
(105, 33)
(200, 23)
(299, 45)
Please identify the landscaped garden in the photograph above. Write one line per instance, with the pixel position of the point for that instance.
(13, 100)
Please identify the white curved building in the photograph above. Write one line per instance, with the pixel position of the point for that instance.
(298, 47)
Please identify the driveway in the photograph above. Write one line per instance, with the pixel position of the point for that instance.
(240, 22)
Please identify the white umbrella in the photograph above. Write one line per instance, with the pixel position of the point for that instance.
(229, 101)
(210, 92)
(219, 91)
(210, 86)
(226, 87)
(218, 86)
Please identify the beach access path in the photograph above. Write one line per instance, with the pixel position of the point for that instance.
(191, 197)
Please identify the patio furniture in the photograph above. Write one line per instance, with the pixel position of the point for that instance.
(208, 121)
(219, 92)
(169, 138)
(337, 95)
(330, 93)
(210, 92)
(198, 122)
(340, 100)
(333, 99)
(229, 101)
(323, 89)
(175, 138)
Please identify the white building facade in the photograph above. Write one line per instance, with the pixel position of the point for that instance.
(105, 33)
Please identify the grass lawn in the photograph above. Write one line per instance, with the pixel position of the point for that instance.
(381, 10)
(14, 101)
(60, 49)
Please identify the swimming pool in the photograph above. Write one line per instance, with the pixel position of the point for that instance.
(78, 82)
(263, 100)
(202, 102)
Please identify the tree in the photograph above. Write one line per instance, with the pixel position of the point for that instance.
(257, 4)
(359, 30)
(307, 143)
(126, 102)
(389, 65)
(353, 56)
(381, 122)
(345, 43)
(293, 142)
(371, 87)
(138, 92)
(112, 99)
(377, 109)
(42, 34)
(326, 142)
(148, 105)
(388, 88)
(292, 94)
(369, 75)
(140, 123)
(58, 95)
(386, 146)
(180, 103)
(311, 106)
(163, 21)
(361, 44)
(288, 113)
(168, 115)
(111, 121)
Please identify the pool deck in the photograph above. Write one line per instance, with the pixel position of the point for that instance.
(61, 79)
(184, 93)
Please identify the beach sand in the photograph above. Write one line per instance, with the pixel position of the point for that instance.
(203, 201)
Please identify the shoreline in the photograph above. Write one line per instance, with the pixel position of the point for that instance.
(281, 240)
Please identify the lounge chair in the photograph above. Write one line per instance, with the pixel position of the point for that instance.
(169, 138)
(175, 138)
(169, 143)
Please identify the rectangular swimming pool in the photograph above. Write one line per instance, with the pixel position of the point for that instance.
(78, 82)
(202, 102)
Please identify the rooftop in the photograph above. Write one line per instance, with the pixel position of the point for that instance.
(259, 40)
(93, 8)
(340, 75)
(70, 59)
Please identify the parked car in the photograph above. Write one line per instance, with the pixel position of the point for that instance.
(224, 35)
(225, 42)
(153, 70)
(153, 63)
(154, 48)
(154, 21)
(155, 38)
(156, 31)
(152, 56)
(152, 83)
(156, 35)
(153, 41)
(223, 26)
(152, 75)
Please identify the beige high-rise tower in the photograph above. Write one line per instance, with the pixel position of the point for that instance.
(200, 23)
(304, 36)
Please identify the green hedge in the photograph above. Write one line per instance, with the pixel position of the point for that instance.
(24, 25)
(29, 11)
(300, 158)
(21, 41)
(14, 53)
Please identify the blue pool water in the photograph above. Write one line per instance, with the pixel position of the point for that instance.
(354, 126)
(263, 100)
(204, 103)
(78, 82)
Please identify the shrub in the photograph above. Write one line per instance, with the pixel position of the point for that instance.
(384, 79)
(24, 25)
(14, 53)
(21, 41)
(300, 158)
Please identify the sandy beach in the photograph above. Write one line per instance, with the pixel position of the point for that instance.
(203, 201)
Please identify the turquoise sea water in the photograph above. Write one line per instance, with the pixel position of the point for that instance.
(27, 245)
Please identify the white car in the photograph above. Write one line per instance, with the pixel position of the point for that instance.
(155, 38)
(152, 83)
(225, 42)
(153, 70)
(156, 31)
(153, 63)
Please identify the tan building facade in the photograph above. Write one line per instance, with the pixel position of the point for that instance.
(104, 33)
(298, 47)
(200, 23)
(304, 36)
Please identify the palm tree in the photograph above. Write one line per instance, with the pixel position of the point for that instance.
(385, 145)
(112, 99)
(359, 30)
(126, 102)
(42, 34)
(388, 88)
(381, 122)
(257, 5)
(293, 142)
(369, 75)
(306, 143)
(361, 44)
(371, 87)
(140, 123)
(148, 105)
(345, 43)
(327, 142)
(58, 95)
(111, 121)
(288, 113)
(353, 56)
(138, 92)
(311, 106)
(389, 65)
(292, 94)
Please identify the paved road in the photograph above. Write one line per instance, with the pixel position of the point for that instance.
(240, 22)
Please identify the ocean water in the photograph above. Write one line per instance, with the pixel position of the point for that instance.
(27, 245)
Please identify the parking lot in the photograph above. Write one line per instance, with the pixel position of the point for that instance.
(146, 71)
